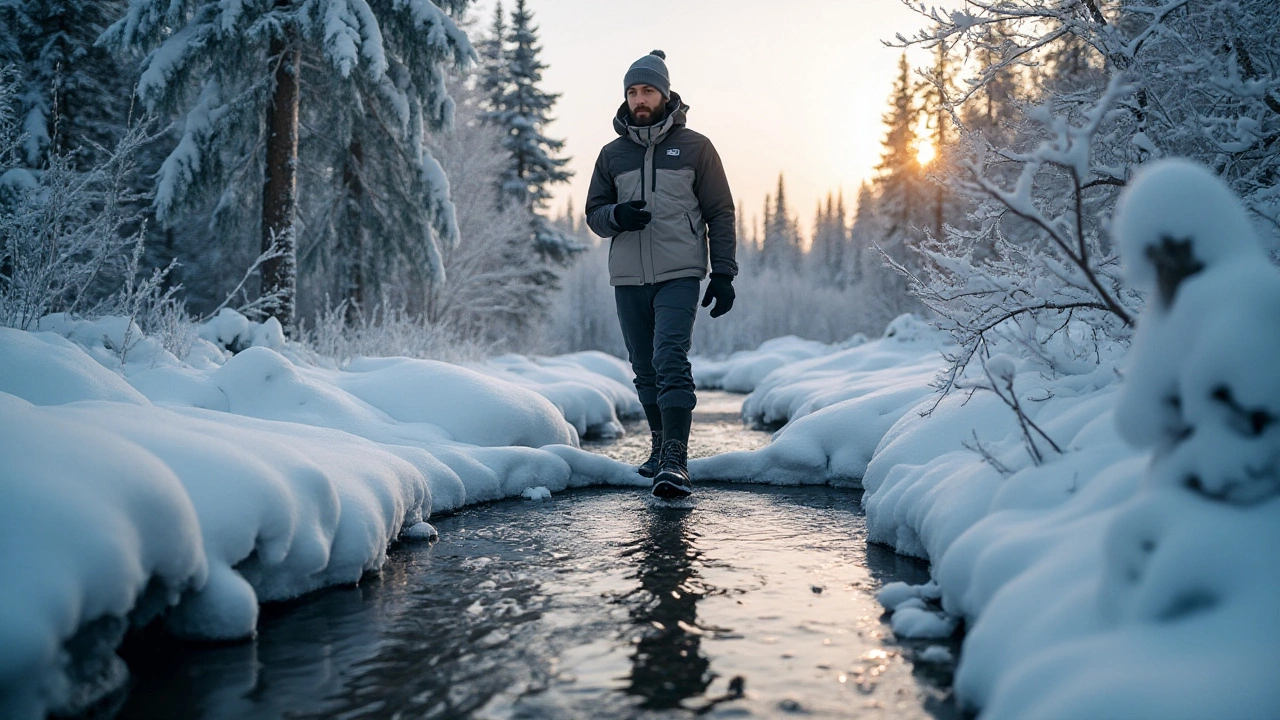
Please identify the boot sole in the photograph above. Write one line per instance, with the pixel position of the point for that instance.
(667, 490)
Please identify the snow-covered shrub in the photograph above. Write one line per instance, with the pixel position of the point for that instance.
(1203, 75)
(1083, 94)
(387, 333)
(70, 239)
(1201, 386)
(1054, 292)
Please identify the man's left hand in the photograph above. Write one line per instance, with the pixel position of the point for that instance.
(721, 290)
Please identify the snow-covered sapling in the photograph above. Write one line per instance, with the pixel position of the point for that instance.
(1201, 388)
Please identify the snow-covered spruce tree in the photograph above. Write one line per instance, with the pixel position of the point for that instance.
(893, 210)
(74, 95)
(493, 76)
(862, 233)
(523, 109)
(935, 91)
(77, 97)
(780, 247)
(899, 182)
(239, 72)
(826, 256)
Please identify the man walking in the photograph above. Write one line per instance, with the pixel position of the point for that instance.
(660, 193)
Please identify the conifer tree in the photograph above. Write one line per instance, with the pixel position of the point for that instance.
(747, 250)
(493, 77)
(74, 95)
(826, 256)
(376, 69)
(936, 93)
(780, 246)
(862, 232)
(522, 108)
(990, 107)
(899, 189)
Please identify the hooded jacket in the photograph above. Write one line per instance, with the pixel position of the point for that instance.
(678, 173)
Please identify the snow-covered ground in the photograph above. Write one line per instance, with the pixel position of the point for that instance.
(132, 481)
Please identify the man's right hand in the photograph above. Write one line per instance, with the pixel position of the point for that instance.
(631, 216)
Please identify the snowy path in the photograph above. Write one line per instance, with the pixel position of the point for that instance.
(595, 603)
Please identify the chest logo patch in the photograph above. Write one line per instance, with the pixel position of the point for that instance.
(674, 152)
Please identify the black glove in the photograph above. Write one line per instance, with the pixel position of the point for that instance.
(631, 216)
(720, 289)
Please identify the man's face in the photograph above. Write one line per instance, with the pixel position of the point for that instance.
(644, 102)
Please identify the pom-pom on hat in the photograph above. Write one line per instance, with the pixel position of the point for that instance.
(649, 70)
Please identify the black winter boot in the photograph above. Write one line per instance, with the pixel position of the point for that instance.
(650, 467)
(672, 480)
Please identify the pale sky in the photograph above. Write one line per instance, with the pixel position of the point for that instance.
(791, 86)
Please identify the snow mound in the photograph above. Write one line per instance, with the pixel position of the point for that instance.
(839, 407)
(45, 369)
(1176, 210)
(1116, 580)
(743, 370)
(1203, 391)
(473, 408)
(97, 534)
(917, 622)
(234, 332)
(592, 390)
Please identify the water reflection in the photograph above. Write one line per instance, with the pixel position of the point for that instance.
(598, 603)
(668, 665)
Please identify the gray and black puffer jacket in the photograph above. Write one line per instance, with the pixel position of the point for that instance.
(679, 174)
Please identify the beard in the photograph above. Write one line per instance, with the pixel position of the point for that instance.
(653, 116)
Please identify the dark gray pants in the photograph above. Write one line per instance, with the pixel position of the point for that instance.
(657, 325)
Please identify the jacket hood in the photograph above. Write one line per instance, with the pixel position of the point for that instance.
(676, 116)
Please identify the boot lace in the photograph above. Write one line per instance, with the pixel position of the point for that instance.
(674, 452)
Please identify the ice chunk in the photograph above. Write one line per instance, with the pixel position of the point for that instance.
(536, 493)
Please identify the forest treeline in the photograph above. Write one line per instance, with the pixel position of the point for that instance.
(362, 172)
(376, 174)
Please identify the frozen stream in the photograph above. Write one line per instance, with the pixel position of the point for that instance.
(595, 603)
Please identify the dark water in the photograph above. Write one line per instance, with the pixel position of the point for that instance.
(596, 603)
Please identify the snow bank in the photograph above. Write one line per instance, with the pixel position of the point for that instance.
(840, 406)
(743, 370)
(135, 484)
(1110, 581)
(1131, 575)
(591, 389)
(897, 368)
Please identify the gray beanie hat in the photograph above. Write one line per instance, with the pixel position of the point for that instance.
(649, 70)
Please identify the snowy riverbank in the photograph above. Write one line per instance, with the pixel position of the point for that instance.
(133, 480)
(1096, 578)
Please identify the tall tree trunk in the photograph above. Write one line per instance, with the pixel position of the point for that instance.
(353, 179)
(279, 191)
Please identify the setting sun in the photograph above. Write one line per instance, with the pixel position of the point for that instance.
(925, 153)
